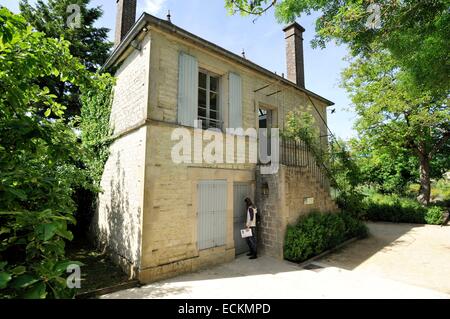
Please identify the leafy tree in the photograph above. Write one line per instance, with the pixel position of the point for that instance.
(391, 169)
(344, 167)
(40, 160)
(394, 115)
(440, 162)
(387, 169)
(415, 32)
(399, 76)
(88, 43)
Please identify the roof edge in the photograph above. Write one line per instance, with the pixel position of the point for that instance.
(146, 18)
(123, 45)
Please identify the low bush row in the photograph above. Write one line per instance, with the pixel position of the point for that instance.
(317, 232)
(393, 208)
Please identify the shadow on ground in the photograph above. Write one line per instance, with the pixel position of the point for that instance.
(98, 270)
(383, 237)
(396, 261)
(410, 253)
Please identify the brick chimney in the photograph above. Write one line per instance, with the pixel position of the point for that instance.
(126, 16)
(293, 34)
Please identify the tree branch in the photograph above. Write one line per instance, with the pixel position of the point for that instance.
(253, 12)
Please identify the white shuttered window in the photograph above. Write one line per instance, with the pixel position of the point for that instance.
(187, 89)
(235, 101)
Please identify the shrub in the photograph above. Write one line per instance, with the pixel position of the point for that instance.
(352, 203)
(392, 208)
(317, 232)
(434, 215)
(354, 227)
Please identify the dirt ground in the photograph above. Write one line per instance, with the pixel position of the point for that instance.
(98, 271)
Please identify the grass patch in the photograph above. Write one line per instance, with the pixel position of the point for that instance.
(440, 190)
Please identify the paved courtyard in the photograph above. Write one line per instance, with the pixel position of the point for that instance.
(413, 254)
(396, 261)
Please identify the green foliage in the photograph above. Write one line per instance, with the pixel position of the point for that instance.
(401, 125)
(387, 169)
(393, 208)
(318, 232)
(354, 227)
(414, 32)
(335, 158)
(244, 7)
(40, 160)
(440, 162)
(441, 190)
(87, 42)
(434, 215)
(33, 243)
(398, 81)
(352, 203)
(344, 168)
(95, 128)
(301, 125)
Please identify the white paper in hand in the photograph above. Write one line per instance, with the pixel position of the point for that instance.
(247, 232)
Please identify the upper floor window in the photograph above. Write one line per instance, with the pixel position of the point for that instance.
(208, 100)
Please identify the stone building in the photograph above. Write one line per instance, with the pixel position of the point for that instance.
(158, 217)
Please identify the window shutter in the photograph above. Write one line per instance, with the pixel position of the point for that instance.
(187, 89)
(235, 98)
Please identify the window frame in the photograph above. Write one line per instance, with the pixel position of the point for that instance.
(206, 121)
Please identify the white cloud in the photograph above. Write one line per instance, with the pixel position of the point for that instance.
(153, 6)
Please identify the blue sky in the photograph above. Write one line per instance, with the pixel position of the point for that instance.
(262, 40)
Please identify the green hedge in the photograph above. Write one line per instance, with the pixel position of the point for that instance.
(318, 232)
(392, 208)
(434, 215)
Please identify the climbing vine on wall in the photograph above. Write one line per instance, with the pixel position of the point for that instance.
(95, 127)
(334, 157)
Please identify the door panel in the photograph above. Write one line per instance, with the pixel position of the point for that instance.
(212, 213)
(240, 192)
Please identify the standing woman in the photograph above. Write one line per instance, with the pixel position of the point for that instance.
(251, 223)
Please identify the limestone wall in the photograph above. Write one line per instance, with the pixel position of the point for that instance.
(164, 81)
(117, 224)
(147, 214)
(281, 201)
(130, 103)
(169, 237)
